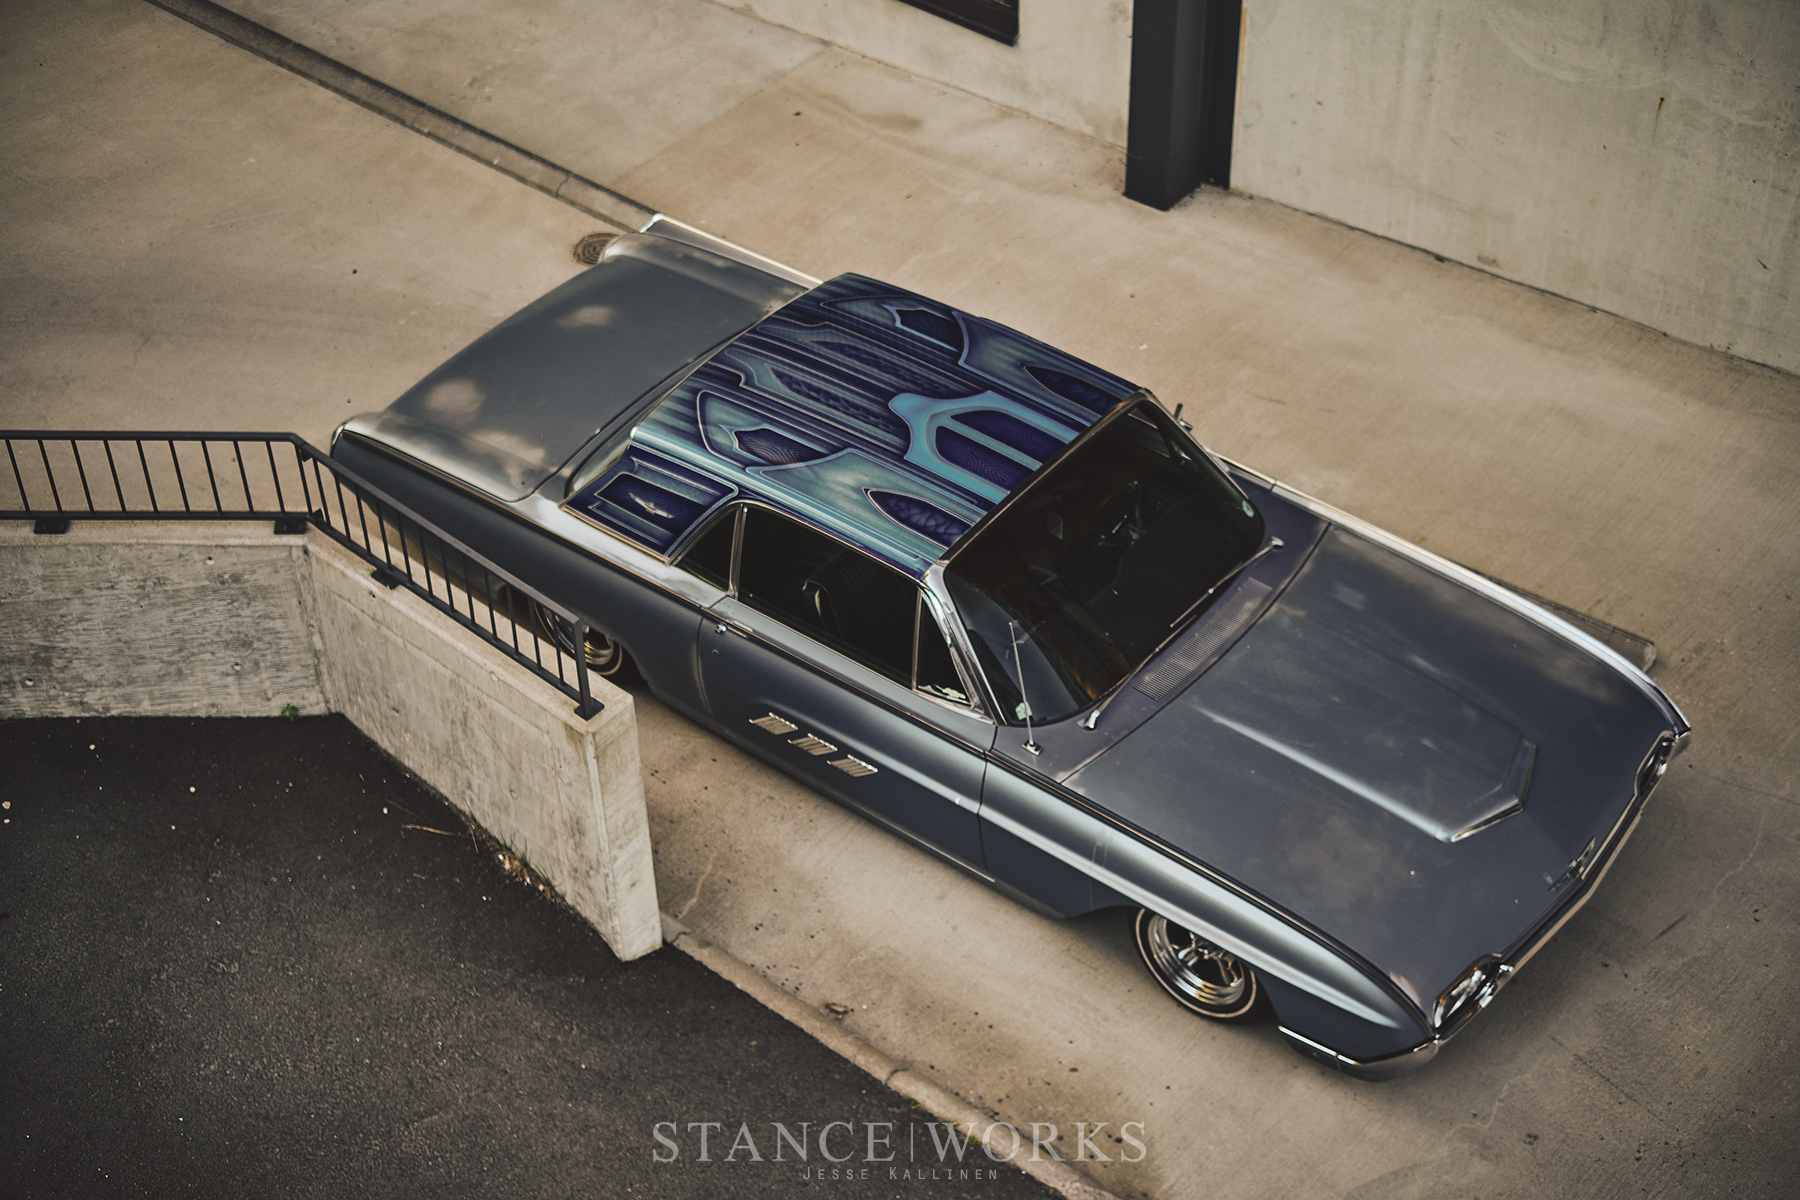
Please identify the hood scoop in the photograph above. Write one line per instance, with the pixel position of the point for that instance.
(1442, 817)
(1370, 726)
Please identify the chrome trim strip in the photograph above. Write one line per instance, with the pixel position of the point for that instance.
(962, 650)
(737, 542)
(1373, 1069)
(930, 609)
(1268, 481)
(1306, 1041)
(973, 747)
(918, 615)
(1486, 587)
(1488, 822)
(1250, 953)
(853, 766)
(774, 723)
(1212, 875)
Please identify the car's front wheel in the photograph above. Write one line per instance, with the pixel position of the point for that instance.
(1206, 979)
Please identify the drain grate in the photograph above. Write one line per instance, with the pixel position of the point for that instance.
(589, 248)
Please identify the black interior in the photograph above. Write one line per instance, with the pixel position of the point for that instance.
(829, 590)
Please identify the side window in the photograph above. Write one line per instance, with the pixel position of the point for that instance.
(710, 555)
(936, 670)
(831, 592)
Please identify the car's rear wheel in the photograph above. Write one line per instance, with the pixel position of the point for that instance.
(1205, 979)
(604, 655)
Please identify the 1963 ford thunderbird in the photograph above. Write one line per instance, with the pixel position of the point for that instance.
(1000, 601)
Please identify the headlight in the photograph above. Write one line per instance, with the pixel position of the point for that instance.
(1468, 995)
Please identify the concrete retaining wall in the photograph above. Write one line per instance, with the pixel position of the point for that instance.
(1641, 158)
(1072, 64)
(156, 619)
(191, 619)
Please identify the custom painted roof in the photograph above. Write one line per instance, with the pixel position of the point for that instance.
(891, 420)
(506, 411)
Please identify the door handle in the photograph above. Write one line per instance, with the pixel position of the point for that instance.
(731, 627)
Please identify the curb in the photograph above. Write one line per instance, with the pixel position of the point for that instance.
(396, 106)
(938, 1100)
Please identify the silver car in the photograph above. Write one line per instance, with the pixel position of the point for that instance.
(1002, 602)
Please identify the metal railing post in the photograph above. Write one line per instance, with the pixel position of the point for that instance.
(588, 707)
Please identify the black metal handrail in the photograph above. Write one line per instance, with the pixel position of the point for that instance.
(59, 476)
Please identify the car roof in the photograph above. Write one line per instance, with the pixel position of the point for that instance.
(887, 419)
(506, 411)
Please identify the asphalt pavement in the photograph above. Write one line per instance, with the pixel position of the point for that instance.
(255, 958)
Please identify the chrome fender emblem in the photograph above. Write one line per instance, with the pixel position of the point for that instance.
(1578, 866)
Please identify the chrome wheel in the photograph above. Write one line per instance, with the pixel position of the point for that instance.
(1204, 978)
(604, 655)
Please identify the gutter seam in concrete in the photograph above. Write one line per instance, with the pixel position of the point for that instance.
(936, 1099)
(510, 160)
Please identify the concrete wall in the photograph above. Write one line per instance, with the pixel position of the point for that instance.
(157, 620)
(190, 619)
(1072, 64)
(1642, 157)
(567, 795)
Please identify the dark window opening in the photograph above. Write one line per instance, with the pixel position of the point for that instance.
(1069, 589)
(710, 555)
(998, 19)
(829, 591)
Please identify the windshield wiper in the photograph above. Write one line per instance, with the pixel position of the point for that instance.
(1175, 628)
(1275, 543)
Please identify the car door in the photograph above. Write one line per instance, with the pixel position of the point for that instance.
(812, 661)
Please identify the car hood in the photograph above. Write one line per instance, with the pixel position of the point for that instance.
(508, 410)
(1402, 762)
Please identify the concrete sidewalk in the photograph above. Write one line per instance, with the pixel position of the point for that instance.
(197, 240)
(1607, 467)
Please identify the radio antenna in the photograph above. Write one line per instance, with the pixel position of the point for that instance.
(1029, 745)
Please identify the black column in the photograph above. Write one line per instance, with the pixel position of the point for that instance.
(1184, 56)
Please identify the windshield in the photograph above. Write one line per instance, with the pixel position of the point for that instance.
(1087, 570)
